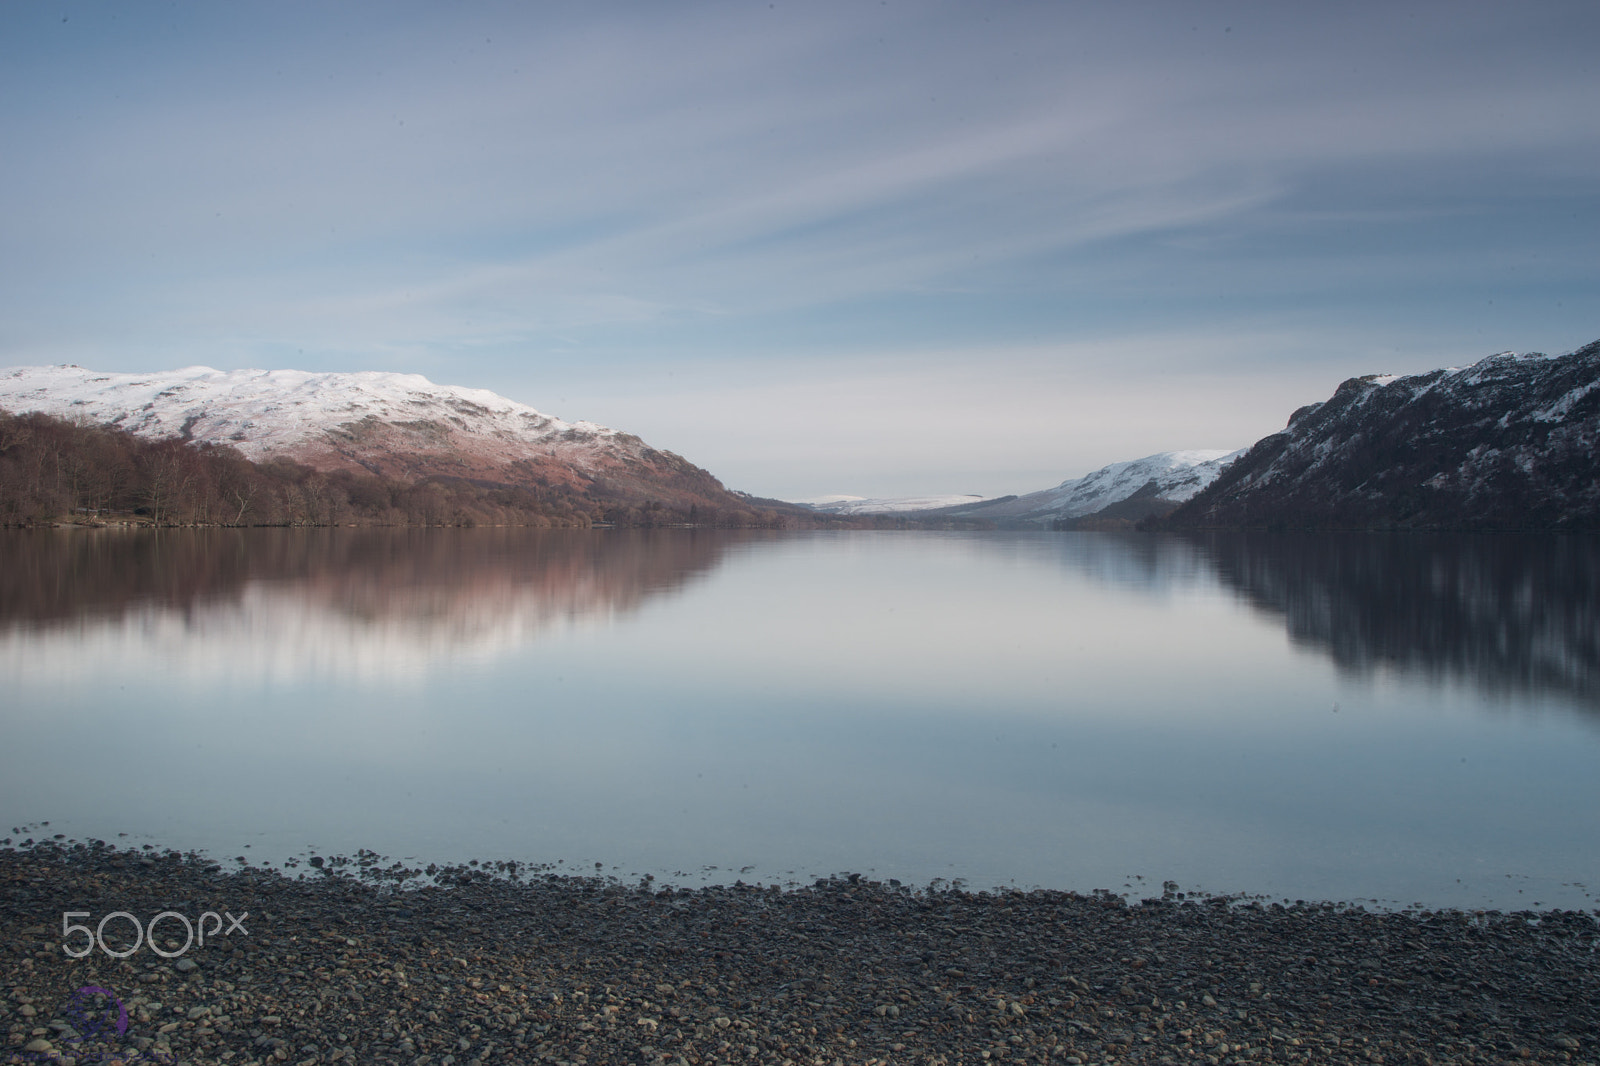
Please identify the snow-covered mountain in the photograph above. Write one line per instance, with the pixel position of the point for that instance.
(398, 425)
(1154, 484)
(1163, 479)
(857, 505)
(1506, 443)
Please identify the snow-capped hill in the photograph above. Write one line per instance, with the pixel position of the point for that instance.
(398, 425)
(1170, 477)
(267, 412)
(859, 505)
(1508, 442)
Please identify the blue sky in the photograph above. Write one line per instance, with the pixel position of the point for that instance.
(880, 248)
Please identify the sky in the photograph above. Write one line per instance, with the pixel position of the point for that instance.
(880, 248)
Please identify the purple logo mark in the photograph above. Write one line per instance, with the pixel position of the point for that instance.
(99, 1023)
(91, 1022)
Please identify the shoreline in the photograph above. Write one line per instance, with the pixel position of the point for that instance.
(569, 969)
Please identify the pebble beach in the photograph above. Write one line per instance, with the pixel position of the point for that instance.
(345, 962)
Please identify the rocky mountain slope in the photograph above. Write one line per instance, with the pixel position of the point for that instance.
(1132, 489)
(1507, 443)
(400, 426)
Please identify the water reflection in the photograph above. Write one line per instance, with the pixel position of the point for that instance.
(1066, 710)
(1507, 614)
(1146, 564)
(314, 602)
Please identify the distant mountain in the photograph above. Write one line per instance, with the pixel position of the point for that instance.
(1124, 491)
(399, 426)
(865, 505)
(1509, 442)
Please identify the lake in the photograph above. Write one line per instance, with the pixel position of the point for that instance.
(1393, 719)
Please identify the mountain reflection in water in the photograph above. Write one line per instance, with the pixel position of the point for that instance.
(1316, 717)
(1506, 614)
(348, 601)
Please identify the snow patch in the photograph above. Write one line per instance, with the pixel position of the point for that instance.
(1558, 411)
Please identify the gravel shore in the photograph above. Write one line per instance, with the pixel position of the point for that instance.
(331, 967)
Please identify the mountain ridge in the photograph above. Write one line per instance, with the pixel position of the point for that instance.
(1161, 481)
(1505, 443)
(884, 505)
(394, 425)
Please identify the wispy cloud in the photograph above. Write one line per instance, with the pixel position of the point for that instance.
(509, 189)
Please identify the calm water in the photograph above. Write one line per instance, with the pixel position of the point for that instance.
(1398, 719)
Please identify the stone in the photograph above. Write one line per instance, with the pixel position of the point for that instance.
(560, 970)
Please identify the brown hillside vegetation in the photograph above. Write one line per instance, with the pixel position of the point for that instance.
(53, 471)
